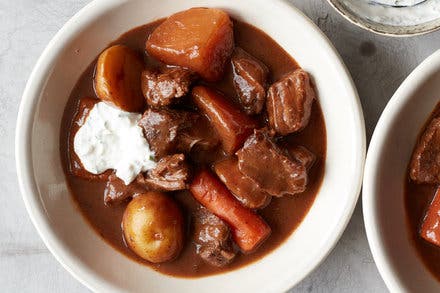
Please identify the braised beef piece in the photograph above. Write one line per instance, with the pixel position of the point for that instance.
(302, 155)
(85, 105)
(169, 131)
(162, 127)
(200, 137)
(242, 187)
(289, 102)
(116, 191)
(265, 163)
(249, 77)
(163, 88)
(212, 238)
(171, 173)
(425, 161)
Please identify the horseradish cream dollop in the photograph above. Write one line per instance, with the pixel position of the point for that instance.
(421, 13)
(111, 139)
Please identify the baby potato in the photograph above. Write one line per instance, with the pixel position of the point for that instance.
(153, 227)
(118, 78)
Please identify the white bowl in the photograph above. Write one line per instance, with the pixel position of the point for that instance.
(385, 171)
(73, 242)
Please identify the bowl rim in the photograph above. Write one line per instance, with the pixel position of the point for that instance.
(369, 199)
(23, 138)
(377, 30)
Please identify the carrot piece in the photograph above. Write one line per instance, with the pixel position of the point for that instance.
(249, 230)
(430, 230)
(232, 125)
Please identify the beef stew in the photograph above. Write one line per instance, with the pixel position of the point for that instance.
(194, 120)
(422, 200)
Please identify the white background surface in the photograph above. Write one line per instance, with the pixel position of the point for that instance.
(26, 26)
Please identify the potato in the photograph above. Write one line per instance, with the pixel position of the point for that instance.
(118, 78)
(200, 39)
(153, 227)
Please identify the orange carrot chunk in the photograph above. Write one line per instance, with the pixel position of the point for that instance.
(249, 230)
(232, 125)
(430, 230)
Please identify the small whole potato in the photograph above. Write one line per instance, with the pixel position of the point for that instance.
(153, 227)
(118, 78)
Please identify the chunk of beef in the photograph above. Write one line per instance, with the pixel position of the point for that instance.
(200, 137)
(212, 238)
(289, 102)
(249, 76)
(162, 89)
(265, 163)
(430, 230)
(242, 187)
(425, 161)
(85, 105)
(171, 173)
(303, 155)
(162, 127)
(116, 191)
(170, 131)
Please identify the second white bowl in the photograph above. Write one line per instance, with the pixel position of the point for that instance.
(385, 172)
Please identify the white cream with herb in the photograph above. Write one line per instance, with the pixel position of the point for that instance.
(424, 12)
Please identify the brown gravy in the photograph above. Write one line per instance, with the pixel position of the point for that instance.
(417, 200)
(283, 215)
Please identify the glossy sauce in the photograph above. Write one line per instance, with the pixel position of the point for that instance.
(417, 200)
(283, 214)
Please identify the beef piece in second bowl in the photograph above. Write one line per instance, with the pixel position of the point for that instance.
(265, 163)
(425, 162)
